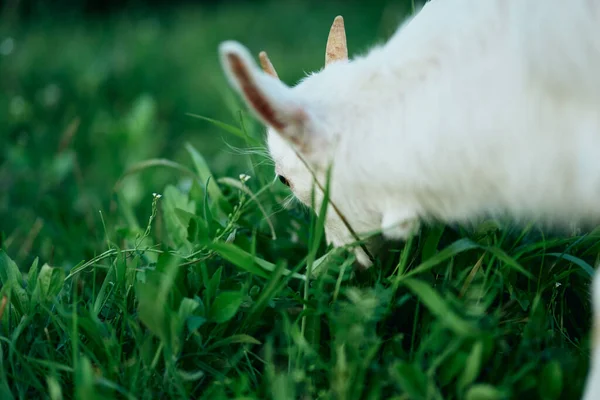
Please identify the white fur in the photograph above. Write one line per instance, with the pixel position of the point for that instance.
(472, 108)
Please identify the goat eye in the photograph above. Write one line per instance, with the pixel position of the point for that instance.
(283, 180)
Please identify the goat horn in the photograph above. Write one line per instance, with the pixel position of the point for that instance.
(266, 64)
(337, 48)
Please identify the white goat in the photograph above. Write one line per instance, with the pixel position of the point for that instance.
(472, 108)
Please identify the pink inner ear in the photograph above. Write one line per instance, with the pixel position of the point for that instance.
(253, 94)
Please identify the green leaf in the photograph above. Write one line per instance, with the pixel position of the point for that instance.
(8, 269)
(84, 381)
(32, 275)
(174, 200)
(509, 261)
(184, 216)
(187, 307)
(190, 376)
(105, 290)
(432, 241)
(318, 228)
(438, 307)
(242, 338)
(54, 389)
(484, 392)
(154, 297)
(197, 229)
(411, 380)
(575, 260)
(248, 262)
(152, 313)
(205, 175)
(194, 323)
(452, 367)
(49, 283)
(225, 306)
(240, 258)
(472, 366)
(12, 278)
(120, 268)
(551, 381)
(460, 246)
(5, 393)
(207, 214)
(212, 285)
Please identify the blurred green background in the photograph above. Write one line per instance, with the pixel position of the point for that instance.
(89, 88)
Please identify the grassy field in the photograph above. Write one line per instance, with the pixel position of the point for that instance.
(138, 261)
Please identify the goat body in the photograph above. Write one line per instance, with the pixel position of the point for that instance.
(472, 108)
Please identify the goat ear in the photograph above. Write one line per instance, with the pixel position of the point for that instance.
(271, 100)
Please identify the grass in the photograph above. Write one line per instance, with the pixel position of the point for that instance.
(203, 290)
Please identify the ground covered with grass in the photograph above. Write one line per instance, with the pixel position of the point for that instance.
(146, 254)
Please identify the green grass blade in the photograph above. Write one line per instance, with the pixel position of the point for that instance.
(437, 306)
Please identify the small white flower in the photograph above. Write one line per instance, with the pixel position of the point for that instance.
(156, 195)
(244, 178)
(558, 284)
